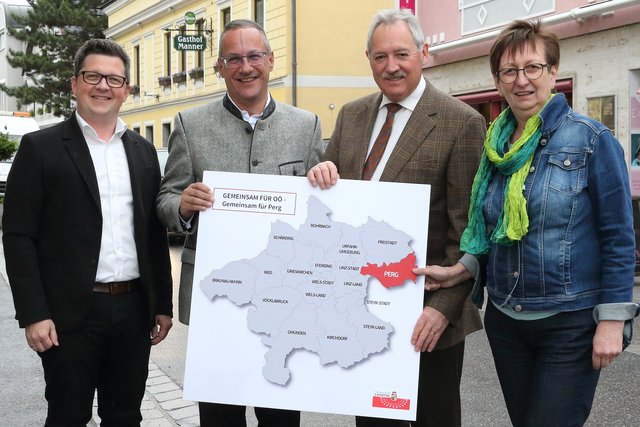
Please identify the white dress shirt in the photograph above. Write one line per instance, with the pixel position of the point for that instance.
(252, 120)
(399, 122)
(118, 259)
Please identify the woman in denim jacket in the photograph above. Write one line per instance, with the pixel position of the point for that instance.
(551, 234)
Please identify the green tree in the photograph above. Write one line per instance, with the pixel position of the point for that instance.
(53, 30)
(7, 147)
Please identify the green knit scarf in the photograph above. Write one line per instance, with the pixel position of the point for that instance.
(514, 221)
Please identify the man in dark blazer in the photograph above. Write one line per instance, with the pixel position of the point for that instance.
(87, 259)
(434, 139)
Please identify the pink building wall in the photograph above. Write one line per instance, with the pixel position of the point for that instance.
(442, 19)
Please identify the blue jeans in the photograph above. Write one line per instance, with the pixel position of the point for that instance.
(544, 366)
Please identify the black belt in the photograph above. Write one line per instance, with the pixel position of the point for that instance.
(115, 288)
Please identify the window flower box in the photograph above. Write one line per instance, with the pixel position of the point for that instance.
(179, 77)
(164, 81)
(196, 73)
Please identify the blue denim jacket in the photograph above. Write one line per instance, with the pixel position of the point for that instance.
(579, 249)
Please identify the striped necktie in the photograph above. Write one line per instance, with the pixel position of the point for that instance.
(381, 143)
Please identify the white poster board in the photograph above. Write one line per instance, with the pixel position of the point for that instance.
(304, 299)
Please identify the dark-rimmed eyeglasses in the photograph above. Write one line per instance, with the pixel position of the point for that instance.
(93, 78)
(531, 72)
(236, 61)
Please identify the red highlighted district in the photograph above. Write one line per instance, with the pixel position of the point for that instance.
(393, 274)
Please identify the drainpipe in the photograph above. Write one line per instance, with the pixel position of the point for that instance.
(294, 55)
(578, 14)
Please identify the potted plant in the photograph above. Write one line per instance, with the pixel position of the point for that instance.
(179, 77)
(196, 73)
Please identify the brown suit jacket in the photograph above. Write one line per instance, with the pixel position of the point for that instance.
(441, 146)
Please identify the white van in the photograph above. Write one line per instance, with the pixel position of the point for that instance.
(15, 125)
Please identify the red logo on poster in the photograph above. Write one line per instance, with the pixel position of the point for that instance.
(390, 401)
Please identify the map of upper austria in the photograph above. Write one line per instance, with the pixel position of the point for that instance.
(309, 288)
(304, 299)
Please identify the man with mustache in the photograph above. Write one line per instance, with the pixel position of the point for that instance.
(246, 131)
(411, 132)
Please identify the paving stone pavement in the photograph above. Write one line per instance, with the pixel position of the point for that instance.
(163, 405)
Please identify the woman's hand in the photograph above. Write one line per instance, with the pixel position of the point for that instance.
(607, 343)
(436, 277)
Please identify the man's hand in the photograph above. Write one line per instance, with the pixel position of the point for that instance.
(428, 330)
(436, 277)
(323, 175)
(41, 336)
(607, 343)
(161, 329)
(197, 197)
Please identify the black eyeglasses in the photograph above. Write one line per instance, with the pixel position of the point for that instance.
(236, 61)
(93, 78)
(531, 72)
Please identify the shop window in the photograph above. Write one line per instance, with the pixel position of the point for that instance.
(490, 104)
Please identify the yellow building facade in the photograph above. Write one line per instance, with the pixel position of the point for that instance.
(319, 49)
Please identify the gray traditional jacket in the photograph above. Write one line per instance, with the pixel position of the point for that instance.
(214, 137)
